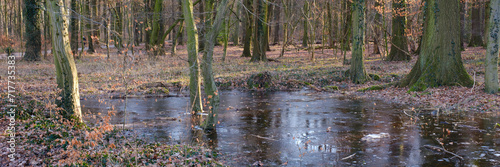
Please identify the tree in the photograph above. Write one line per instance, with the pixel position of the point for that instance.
(33, 25)
(347, 21)
(491, 71)
(399, 44)
(247, 24)
(155, 40)
(74, 27)
(88, 9)
(67, 78)
(476, 39)
(439, 62)
(208, 76)
(357, 71)
(259, 39)
(194, 64)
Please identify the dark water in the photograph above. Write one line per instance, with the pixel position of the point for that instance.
(313, 129)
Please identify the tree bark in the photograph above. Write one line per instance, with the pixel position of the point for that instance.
(67, 78)
(357, 71)
(346, 34)
(33, 30)
(439, 62)
(491, 71)
(247, 38)
(208, 76)
(74, 27)
(277, 14)
(399, 44)
(194, 65)
(259, 49)
(476, 32)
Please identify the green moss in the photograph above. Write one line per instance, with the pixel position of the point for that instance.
(158, 90)
(375, 87)
(419, 86)
(332, 88)
(374, 77)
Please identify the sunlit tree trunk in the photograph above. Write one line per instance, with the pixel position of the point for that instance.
(259, 50)
(399, 44)
(247, 24)
(357, 71)
(208, 76)
(67, 78)
(439, 62)
(491, 72)
(194, 65)
(476, 39)
(33, 24)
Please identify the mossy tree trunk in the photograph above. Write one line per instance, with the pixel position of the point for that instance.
(305, 37)
(439, 62)
(67, 78)
(491, 71)
(33, 13)
(377, 28)
(247, 24)
(476, 38)
(399, 44)
(194, 65)
(346, 31)
(208, 76)
(357, 71)
(259, 39)
(157, 28)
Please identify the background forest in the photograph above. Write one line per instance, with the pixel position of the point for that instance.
(433, 56)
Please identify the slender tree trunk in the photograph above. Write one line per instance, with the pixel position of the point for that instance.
(90, 27)
(439, 62)
(33, 30)
(194, 65)
(491, 71)
(67, 78)
(462, 24)
(74, 27)
(208, 76)
(259, 50)
(236, 34)
(277, 23)
(247, 38)
(377, 28)
(357, 71)
(399, 44)
(305, 38)
(476, 32)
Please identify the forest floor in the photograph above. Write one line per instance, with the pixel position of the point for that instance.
(140, 75)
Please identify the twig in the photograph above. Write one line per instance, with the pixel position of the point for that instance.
(267, 138)
(444, 150)
(348, 157)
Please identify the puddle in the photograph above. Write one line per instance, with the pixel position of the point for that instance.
(313, 129)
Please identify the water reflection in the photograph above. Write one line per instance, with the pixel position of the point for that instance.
(313, 129)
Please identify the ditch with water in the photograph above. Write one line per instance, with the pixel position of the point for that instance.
(306, 128)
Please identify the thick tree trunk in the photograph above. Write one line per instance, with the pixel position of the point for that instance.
(357, 71)
(67, 78)
(208, 76)
(259, 49)
(491, 72)
(399, 44)
(155, 40)
(439, 62)
(476, 32)
(194, 65)
(33, 30)
(247, 38)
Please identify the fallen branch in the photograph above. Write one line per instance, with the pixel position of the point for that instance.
(267, 138)
(348, 157)
(444, 150)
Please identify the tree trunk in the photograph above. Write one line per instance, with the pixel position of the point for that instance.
(74, 27)
(346, 37)
(157, 28)
(247, 38)
(259, 49)
(462, 24)
(439, 62)
(90, 30)
(236, 34)
(277, 14)
(67, 78)
(399, 44)
(305, 38)
(208, 76)
(476, 32)
(33, 30)
(194, 65)
(357, 71)
(491, 71)
(377, 30)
